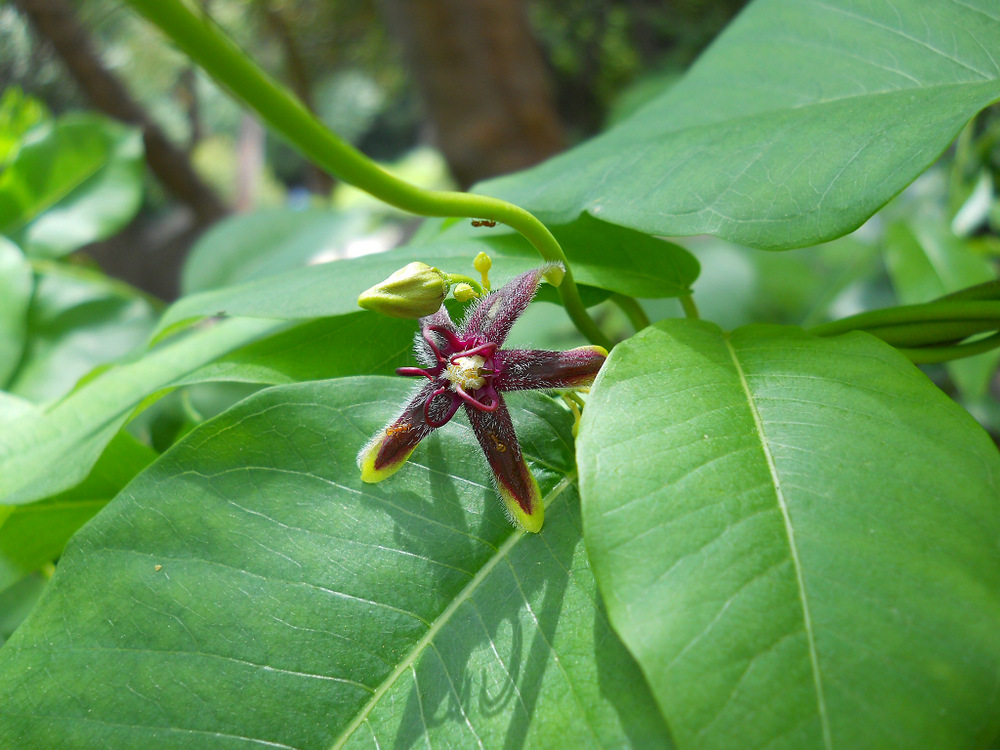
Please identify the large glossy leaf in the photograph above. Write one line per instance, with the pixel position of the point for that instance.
(927, 261)
(252, 246)
(15, 292)
(247, 590)
(602, 255)
(73, 182)
(797, 539)
(801, 120)
(78, 319)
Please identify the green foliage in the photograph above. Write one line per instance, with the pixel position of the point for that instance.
(396, 605)
(777, 539)
(777, 531)
(74, 181)
(767, 142)
(18, 115)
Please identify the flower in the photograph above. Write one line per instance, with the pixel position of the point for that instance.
(465, 366)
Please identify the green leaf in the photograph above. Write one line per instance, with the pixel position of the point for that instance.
(15, 291)
(264, 243)
(926, 261)
(73, 182)
(601, 255)
(17, 601)
(407, 612)
(319, 349)
(33, 535)
(799, 122)
(43, 454)
(78, 319)
(797, 539)
(328, 289)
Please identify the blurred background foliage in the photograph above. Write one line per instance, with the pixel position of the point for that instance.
(446, 93)
(128, 178)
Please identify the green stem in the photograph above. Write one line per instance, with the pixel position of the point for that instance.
(456, 278)
(221, 59)
(689, 307)
(986, 291)
(933, 312)
(636, 315)
(931, 334)
(933, 354)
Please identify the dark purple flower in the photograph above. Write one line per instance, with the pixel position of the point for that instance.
(465, 366)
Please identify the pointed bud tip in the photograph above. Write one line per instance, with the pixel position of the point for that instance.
(554, 273)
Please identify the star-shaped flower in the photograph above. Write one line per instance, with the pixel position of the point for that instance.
(465, 366)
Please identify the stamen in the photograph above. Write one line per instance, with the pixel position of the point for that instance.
(411, 372)
(452, 339)
(449, 413)
(490, 346)
(472, 401)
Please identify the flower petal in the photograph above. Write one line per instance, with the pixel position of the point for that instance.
(525, 369)
(514, 481)
(494, 315)
(391, 446)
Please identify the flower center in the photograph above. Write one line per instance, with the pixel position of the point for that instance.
(464, 373)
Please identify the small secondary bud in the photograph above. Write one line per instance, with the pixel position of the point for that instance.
(414, 291)
(464, 292)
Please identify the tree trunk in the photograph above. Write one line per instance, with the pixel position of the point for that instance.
(54, 20)
(483, 81)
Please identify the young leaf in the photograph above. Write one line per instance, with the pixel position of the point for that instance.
(797, 539)
(73, 182)
(799, 122)
(409, 612)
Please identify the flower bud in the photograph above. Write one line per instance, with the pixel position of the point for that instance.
(414, 291)
(464, 292)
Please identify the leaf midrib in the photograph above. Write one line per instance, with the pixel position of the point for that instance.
(442, 619)
(793, 547)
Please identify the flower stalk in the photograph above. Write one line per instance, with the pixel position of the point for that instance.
(204, 43)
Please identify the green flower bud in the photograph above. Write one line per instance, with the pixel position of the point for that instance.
(414, 291)
(464, 292)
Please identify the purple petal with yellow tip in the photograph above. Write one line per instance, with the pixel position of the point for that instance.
(527, 369)
(514, 481)
(391, 446)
